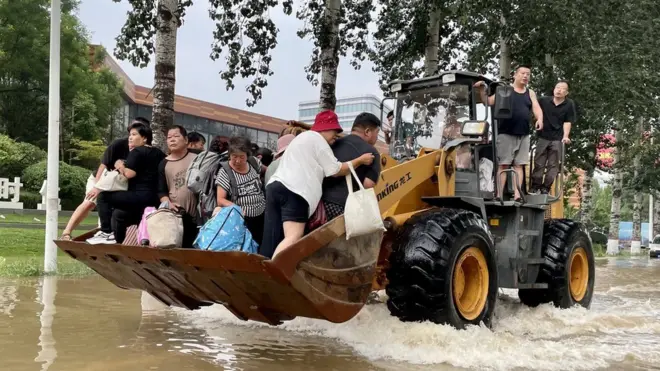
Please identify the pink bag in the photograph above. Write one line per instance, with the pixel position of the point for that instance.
(143, 234)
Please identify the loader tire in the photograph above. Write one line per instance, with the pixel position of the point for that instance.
(443, 270)
(568, 268)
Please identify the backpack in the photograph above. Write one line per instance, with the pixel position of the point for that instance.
(201, 169)
(233, 184)
(200, 179)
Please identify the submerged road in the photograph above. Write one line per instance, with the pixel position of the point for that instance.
(89, 324)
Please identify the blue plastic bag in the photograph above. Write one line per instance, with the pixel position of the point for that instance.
(226, 232)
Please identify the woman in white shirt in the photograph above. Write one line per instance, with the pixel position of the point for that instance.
(294, 191)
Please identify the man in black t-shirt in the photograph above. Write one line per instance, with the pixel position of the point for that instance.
(364, 134)
(558, 116)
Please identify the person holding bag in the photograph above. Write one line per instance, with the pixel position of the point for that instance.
(294, 191)
(120, 209)
(239, 183)
(363, 137)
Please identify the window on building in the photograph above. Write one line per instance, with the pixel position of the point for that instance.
(252, 135)
(262, 136)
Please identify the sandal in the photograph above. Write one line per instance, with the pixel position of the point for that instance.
(66, 237)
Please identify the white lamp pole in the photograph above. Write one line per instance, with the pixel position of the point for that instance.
(52, 176)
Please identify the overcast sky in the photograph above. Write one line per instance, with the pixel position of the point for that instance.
(197, 76)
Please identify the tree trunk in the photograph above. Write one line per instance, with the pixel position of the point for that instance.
(615, 218)
(165, 76)
(431, 58)
(636, 243)
(330, 55)
(505, 56)
(586, 201)
(656, 215)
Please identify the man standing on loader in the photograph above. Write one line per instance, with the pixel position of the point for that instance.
(513, 138)
(558, 116)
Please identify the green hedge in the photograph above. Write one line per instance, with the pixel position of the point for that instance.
(72, 182)
(17, 156)
(30, 199)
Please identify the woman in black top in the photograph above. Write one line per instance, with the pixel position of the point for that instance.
(125, 208)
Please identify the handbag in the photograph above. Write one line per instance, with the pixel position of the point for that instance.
(226, 232)
(143, 232)
(319, 218)
(165, 229)
(361, 213)
(111, 181)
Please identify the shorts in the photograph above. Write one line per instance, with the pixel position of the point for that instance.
(512, 149)
(282, 205)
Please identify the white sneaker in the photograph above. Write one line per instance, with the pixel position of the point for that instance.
(102, 238)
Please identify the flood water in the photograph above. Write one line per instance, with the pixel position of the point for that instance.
(89, 324)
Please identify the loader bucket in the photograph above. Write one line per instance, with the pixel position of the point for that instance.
(323, 276)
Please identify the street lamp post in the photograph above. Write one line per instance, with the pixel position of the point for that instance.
(52, 175)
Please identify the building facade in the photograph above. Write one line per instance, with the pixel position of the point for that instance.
(347, 109)
(206, 118)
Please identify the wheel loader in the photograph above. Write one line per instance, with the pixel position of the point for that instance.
(449, 243)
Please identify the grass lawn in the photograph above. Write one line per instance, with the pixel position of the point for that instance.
(30, 219)
(22, 255)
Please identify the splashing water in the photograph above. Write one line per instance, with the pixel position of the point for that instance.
(621, 330)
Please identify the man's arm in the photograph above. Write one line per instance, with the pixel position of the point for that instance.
(163, 191)
(536, 108)
(567, 130)
(371, 177)
(570, 119)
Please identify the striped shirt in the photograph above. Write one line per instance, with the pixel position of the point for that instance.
(250, 194)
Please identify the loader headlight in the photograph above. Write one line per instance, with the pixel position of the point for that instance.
(395, 88)
(474, 128)
(448, 78)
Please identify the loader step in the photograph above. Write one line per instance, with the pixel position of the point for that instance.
(532, 285)
(526, 261)
(529, 232)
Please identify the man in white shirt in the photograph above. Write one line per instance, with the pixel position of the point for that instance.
(294, 191)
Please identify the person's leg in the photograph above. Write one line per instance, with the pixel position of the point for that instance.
(273, 229)
(540, 163)
(104, 206)
(502, 174)
(552, 165)
(505, 152)
(521, 159)
(293, 231)
(77, 217)
(124, 218)
(256, 227)
(190, 231)
(295, 215)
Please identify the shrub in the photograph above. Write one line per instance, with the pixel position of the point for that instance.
(15, 157)
(30, 199)
(72, 182)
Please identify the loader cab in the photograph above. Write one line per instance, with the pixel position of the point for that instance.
(445, 112)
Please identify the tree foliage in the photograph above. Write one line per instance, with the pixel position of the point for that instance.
(89, 95)
(244, 36)
(16, 156)
(401, 38)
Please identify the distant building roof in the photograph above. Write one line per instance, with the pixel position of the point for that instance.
(142, 95)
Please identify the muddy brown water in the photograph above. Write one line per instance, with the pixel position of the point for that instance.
(89, 324)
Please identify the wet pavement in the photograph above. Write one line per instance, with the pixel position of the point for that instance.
(88, 324)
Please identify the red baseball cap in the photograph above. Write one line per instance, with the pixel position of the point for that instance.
(325, 121)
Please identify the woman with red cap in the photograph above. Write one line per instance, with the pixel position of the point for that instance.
(294, 191)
